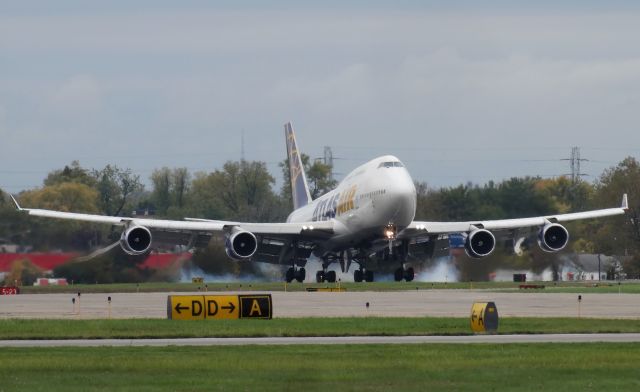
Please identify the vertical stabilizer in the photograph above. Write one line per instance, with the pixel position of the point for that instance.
(299, 188)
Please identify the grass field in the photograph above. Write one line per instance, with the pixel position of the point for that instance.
(371, 326)
(511, 367)
(632, 287)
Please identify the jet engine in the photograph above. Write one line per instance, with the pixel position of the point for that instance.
(136, 240)
(553, 237)
(480, 243)
(240, 244)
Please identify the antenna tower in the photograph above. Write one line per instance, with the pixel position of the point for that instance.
(574, 162)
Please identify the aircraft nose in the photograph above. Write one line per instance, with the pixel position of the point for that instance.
(402, 199)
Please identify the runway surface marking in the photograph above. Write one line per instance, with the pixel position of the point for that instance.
(322, 340)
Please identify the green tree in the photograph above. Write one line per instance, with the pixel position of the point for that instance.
(318, 178)
(61, 234)
(618, 235)
(244, 190)
(66, 196)
(70, 173)
(23, 272)
(115, 188)
(161, 194)
(180, 185)
(201, 200)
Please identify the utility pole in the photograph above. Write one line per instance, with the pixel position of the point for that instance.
(328, 160)
(242, 146)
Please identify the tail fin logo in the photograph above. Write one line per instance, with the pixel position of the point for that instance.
(299, 188)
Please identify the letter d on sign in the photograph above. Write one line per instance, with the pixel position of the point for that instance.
(196, 308)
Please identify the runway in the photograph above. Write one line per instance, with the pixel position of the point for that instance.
(423, 303)
(478, 339)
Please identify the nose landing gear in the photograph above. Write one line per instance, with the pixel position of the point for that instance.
(326, 276)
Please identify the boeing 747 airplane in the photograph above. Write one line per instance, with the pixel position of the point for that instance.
(372, 210)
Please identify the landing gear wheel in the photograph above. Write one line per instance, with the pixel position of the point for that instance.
(368, 276)
(398, 275)
(320, 276)
(300, 275)
(330, 276)
(409, 274)
(289, 276)
(357, 276)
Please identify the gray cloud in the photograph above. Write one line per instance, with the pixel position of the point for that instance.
(460, 95)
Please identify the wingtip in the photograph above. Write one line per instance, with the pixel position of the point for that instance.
(15, 202)
(625, 202)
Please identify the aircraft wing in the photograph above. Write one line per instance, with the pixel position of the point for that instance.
(274, 239)
(417, 228)
(190, 224)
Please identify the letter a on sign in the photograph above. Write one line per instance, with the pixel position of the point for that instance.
(255, 306)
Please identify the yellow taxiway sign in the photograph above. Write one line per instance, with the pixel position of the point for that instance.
(200, 307)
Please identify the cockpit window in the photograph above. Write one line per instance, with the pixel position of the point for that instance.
(390, 164)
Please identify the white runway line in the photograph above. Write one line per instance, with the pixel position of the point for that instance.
(322, 340)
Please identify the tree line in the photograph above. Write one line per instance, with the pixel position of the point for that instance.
(245, 191)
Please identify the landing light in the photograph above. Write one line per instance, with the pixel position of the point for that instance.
(390, 231)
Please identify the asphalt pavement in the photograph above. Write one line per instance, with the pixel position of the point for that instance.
(418, 303)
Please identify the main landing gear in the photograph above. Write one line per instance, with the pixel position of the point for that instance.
(298, 274)
(359, 275)
(406, 274)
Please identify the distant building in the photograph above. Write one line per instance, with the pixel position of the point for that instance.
(586, 266)
(7, 247)
(574, 267)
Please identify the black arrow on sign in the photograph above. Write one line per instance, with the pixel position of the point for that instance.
(178, 308)
(231, 307)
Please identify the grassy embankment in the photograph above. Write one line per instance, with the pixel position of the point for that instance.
(369, 326)
(558, 367)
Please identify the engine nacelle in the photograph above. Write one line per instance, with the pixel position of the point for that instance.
(240, 244)
(480, 243)
(553, 237)
(136, 240)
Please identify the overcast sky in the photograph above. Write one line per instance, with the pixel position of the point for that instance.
(459, 92)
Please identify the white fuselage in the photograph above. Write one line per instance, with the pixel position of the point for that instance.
(374, 195)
